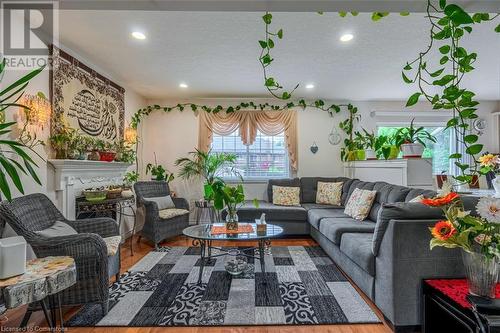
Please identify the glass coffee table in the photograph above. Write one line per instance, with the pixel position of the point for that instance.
(203, 237)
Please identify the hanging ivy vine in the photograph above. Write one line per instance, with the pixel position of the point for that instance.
(449, 24)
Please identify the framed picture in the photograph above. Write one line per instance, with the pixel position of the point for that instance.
(85, 100)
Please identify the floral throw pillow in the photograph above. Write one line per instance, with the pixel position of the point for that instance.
(359, 204)
(286, 195)
(329, 193)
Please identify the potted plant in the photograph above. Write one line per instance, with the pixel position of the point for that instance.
(82, 146)
(229, 198)
(124, 152)
(388, 147)
(106, 151)
(129, 179)
(158, 172)
(371, 143)
(208, 165)
(477, 236)
(63, 142)
(412, 140)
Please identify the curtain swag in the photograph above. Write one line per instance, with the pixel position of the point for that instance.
(248, 123)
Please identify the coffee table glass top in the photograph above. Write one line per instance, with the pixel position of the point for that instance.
(203, 231)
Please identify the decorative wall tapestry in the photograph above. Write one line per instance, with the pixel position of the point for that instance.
(85, 100)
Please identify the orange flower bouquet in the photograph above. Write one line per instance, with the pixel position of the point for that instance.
(477, 236)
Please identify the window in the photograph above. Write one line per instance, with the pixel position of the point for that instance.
(266, 158)
(439, 151)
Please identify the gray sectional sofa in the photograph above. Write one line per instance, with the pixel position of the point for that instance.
(386, 256)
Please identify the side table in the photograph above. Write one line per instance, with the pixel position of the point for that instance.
(446, 308)
(202, 207)
(44, 278)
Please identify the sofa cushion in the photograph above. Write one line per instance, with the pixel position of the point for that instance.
(58, 229)
(386, 193)
(164, 202)
(314, 216)
(401, 211)
(415, 192)
(333, 228)
(309, 186)
(360, 203)
(357, 246)
(286, 195)
(247, 212)
(329, 193)
(293, 182)
(169, 213)
(112, 244)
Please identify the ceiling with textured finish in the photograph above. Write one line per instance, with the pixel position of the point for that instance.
(215, 53)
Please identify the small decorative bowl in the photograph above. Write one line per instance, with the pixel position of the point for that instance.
(95, 195)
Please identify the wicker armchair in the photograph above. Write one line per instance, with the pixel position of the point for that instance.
(36, 212)
(156, 228)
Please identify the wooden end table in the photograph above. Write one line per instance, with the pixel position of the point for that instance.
(44, 278)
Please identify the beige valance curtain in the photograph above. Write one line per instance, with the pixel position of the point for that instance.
(248, 123)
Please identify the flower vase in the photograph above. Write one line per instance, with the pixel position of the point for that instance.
(482, 273)
(496, 185)
(232, 221)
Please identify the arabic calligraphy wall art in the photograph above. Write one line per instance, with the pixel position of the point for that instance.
(85, 100)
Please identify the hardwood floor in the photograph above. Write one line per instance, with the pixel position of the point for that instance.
(12, 318)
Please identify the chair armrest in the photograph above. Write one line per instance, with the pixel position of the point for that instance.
(181, 203)
(151, 209)
(103, 226)
(84, 245)
(403, 261)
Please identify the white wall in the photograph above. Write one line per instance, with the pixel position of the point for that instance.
(174, 134)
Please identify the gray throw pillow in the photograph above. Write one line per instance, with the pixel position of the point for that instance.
(162, 202)
(57, 229)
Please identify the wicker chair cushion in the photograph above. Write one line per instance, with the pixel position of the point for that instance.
(162, 202)
(112, 244)
(57, 229)
(172, 212)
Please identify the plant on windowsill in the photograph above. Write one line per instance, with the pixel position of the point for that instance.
(389, 148)
(159, 172)
(412, 140)
(208, 165)
(371, 143)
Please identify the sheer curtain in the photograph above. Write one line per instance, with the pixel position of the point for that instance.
(248, 123)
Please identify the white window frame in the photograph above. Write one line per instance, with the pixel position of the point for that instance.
(255, 179)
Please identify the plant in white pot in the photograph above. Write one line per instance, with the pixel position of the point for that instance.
(412, 140)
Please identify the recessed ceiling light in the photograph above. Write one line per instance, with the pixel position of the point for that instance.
(346, 37)
(310, 86)
(183, 85)
(138, 35)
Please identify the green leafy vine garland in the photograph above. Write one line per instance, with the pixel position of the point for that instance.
(318, 104)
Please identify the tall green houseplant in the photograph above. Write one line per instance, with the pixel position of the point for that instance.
(208, 165)
(14, 159)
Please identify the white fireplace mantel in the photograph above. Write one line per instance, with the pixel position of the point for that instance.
(73, 176)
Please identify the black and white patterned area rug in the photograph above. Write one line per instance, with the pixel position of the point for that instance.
(303, 286)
